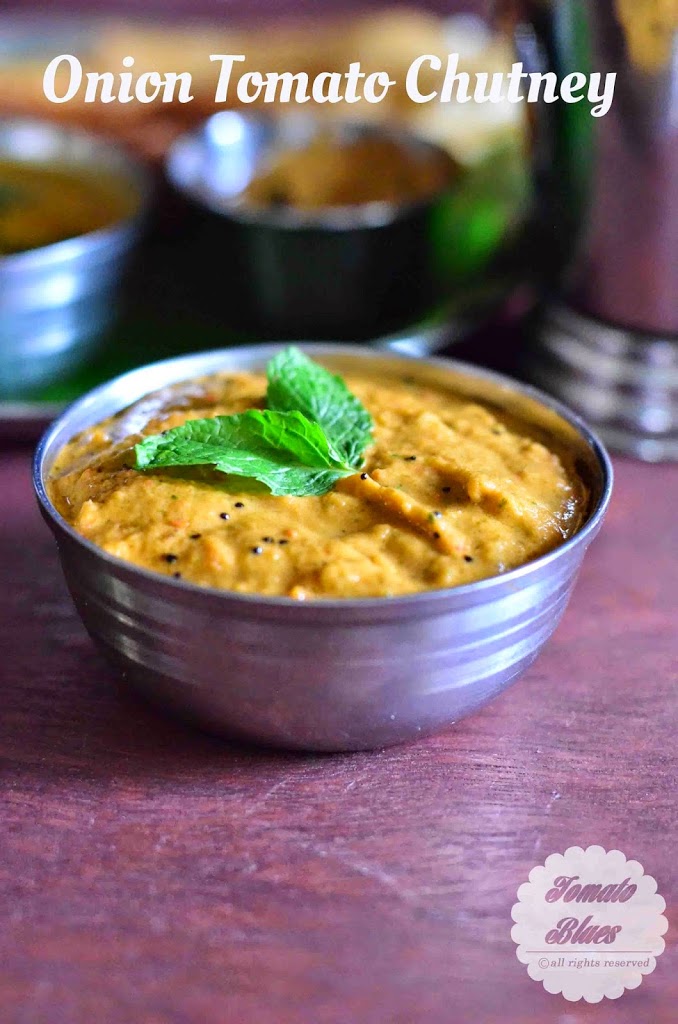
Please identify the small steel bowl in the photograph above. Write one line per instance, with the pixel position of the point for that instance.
(345, 272)
(57, 301)
(326, 675)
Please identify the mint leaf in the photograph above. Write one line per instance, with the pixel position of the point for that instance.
(284, 450)
(313, 433)
(296, 382)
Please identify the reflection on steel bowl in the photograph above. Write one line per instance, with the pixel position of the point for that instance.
(302, 268)
(337, 673)
(70, 210)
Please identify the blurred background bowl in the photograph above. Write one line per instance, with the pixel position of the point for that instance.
(331, 674)
(185, 293)
(57, 301)
(344, 271)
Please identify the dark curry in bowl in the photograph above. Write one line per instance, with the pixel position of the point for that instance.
(42, 205)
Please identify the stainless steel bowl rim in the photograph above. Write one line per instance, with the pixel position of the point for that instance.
(136, 172)
(424, 602)
(356, 217)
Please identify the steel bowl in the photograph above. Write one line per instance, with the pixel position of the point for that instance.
(57, 301)
(344, 272)
(328, 675)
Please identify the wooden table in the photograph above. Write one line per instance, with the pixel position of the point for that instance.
(154, 875)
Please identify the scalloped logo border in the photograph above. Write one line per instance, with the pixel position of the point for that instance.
(589, 924)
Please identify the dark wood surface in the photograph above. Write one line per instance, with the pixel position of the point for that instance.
(155, 875)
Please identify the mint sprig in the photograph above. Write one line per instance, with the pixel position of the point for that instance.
(296, 382)
(313, 433)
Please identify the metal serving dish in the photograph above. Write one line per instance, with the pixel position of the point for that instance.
(326, 675)
(57, 301)
(350, 272)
